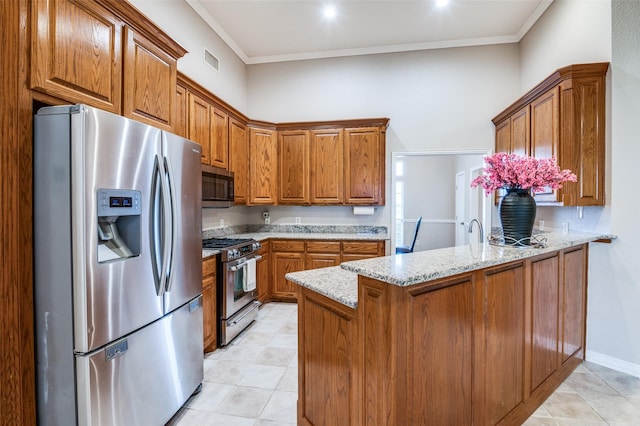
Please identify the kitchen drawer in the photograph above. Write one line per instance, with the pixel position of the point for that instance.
(287, 246)
(209, 266)
(323, 247)
(360, 247)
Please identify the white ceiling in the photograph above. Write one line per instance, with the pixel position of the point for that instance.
(261, 31)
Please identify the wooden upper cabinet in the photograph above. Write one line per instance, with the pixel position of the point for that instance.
(219, 142)
(77, 53)
(263, 166)
(520, 132)
(200, 124)
(545, 130)
(239, 159)
(503, 136)
(149, 82)
(364, 166)
(327, 168)
(293, 167)
(180, 125)
(562, 117)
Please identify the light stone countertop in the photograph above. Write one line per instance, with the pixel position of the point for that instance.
(344, 236)
(413, 268)
(334, 282)
(261, 236)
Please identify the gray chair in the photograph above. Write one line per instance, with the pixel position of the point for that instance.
(409, 249)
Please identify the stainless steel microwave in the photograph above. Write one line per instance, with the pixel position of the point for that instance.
(217, 187)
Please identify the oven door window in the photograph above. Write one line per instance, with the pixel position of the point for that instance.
(238, 280)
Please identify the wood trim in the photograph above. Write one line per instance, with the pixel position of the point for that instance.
(565, 73)
(143, 25)
(17, 375)
(194, 87)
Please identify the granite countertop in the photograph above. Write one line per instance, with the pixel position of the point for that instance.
(334, 282)
(418, 267)
(297, 232)
(261, 236)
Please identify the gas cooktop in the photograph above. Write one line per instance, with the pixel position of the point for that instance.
(219, 243)
(232, 248)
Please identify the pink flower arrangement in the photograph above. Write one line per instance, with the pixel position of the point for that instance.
(513, 171)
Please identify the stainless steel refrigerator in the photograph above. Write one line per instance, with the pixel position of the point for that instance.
(117, 269)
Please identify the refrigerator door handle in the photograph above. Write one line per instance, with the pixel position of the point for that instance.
(170, 223)
(155, 219)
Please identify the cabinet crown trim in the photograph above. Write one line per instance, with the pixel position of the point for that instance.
(560, 75)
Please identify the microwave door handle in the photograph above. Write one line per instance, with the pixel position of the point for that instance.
(170, 223)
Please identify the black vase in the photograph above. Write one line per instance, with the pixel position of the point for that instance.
(517, 213)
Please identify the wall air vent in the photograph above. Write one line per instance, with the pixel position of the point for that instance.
(212, 60)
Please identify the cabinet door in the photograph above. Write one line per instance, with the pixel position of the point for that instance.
(363, 166)
(545, 293)
(209, 303)
(520, 132)
(77, 53)
(502, 346)
(327, 168)
(209, 313)
(199, 124)
(283, 263)
(293, 167)
(239, 159)
(149, 82)
(503, 136)
(573, 302)
(182, 119)
(545, 129)
(263, 273)
(219, 141)
(322, 254)
(321, 260)
(263, 164)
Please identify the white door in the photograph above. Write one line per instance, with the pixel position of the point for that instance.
(461, 208)
(476, 205)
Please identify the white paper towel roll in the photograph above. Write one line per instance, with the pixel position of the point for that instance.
(361, 210)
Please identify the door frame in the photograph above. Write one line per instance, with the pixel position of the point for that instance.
(394, 158)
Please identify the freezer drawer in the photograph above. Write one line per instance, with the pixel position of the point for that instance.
(145, 378)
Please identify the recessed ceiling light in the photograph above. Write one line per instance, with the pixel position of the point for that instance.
(442, 3)
(329, 11)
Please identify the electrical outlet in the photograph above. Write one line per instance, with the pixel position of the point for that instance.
(221, 222)
(297, 221)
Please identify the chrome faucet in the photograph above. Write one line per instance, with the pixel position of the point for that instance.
(479, 227)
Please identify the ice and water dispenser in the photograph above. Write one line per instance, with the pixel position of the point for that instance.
(119, 234)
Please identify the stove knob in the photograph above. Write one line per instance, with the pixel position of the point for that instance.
(256, 246)
(232, 254)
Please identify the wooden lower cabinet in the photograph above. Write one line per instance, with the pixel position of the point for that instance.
(209, 303)
(287, 256)
(263, 272)
(322, 254)
(485, 347)
(297, 255)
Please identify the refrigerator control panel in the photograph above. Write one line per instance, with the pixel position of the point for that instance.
(118, 202)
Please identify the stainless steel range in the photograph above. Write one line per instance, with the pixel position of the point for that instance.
(236, 280)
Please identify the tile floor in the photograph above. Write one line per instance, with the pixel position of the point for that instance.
(254, 381)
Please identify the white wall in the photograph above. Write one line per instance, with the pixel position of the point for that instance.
(436, 100)
(569, 32)
(186, 27)
(580, 31)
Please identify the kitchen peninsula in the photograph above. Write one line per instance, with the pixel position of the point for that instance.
(475, 334)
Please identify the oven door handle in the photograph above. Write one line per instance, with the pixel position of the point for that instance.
(242, 265)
